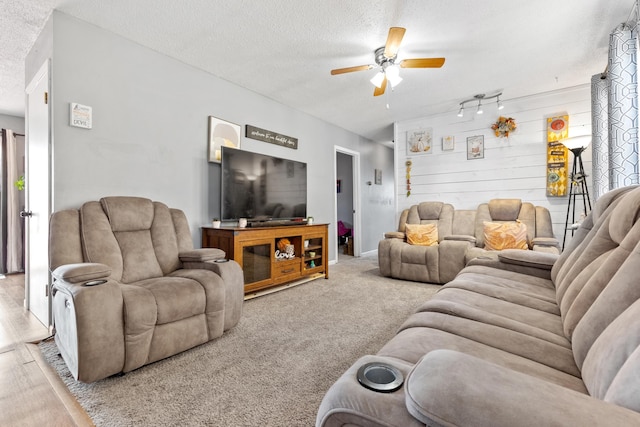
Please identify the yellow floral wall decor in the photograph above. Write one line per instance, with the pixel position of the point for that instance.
(504, 126)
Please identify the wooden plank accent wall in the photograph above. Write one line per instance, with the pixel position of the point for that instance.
(511, 168)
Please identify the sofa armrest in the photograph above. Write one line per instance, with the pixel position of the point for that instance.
(525, 262)
(202, 255)
(81, 272)
(534, 259)
(461, 238)
(394, 235)
(88, 322)
(233, 278)
(455, 389)
(545, 241)
(451, 258)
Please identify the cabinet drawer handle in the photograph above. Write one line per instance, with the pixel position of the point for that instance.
(291, 270)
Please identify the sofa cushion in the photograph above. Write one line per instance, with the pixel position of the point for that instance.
(422, 234)
(504, 209)
(507, 235)
(176, 298)
(128, 213)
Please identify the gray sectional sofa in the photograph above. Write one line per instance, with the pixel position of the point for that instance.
(524, 339)
(460, 238)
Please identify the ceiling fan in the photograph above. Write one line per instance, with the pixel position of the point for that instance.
(385, 58)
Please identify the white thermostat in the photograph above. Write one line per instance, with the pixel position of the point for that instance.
(80, 116)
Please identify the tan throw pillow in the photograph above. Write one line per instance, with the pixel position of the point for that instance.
(422, 234)
(505, 235)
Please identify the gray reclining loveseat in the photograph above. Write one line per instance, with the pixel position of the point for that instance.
(526, 339)
(460, 238)
(129, 289)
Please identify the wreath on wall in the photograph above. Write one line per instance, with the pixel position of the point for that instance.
(504, 126)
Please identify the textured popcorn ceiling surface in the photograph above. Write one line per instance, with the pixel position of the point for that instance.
(284, 50)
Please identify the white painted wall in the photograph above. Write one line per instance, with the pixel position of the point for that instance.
(14, 123)
(511, 168)
(149, 135)
(344, 173)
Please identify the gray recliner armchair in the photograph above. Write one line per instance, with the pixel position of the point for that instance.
(129, 288)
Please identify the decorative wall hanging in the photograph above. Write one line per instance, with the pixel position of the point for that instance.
(557, 156)
(448, 143)
(475, 147)
(408, 165)
(378, 176)
(271, 137)
(222, 133)
(504, 126)
(419, 141)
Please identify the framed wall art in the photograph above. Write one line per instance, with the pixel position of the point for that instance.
(448, 143)
(222, 133)
(419, 141)
(475, 147)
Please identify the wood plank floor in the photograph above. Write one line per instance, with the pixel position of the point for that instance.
(31, 394)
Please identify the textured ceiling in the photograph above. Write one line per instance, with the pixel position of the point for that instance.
(284, 50)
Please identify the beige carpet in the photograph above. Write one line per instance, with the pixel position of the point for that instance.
(272, 369)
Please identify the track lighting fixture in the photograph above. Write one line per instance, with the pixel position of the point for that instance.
(479, 98)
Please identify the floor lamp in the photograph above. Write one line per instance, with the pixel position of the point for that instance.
(578, 187)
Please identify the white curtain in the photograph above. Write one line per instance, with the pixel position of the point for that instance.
(14, 202)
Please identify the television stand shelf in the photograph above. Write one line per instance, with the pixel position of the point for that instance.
(255, 249)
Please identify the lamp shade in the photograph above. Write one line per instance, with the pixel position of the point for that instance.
(378, 79)
(393, 75)
(576, 142)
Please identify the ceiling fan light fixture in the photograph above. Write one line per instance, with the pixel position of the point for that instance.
(500, 105)
(461, 112)
(393, 74)
(378, 79)
(480, 110)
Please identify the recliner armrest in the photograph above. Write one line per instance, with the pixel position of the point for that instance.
(89, 326)
(456, 389)
(461, 237)
(81, 272)
(532, 263)
(541, 260)
(394, 235)
(202, 255)
(545, 241)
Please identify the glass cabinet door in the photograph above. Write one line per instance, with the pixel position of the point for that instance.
(256, 262)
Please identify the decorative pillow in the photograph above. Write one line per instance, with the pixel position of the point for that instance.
(505, 235)
(422, 234)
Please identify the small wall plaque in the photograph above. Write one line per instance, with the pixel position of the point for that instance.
(80, 116)
(271, 137)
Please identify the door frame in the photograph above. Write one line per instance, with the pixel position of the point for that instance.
(43, 72)
(356, 232)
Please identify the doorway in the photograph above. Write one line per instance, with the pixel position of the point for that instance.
(347, 215)
(37, 197)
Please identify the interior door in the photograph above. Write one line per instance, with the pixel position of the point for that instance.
(38, 200)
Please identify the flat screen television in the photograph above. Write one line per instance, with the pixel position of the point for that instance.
(261, 187)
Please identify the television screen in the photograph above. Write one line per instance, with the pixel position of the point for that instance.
(261, 187)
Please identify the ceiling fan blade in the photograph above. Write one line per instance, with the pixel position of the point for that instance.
(380, 90)
(351, 69)
(393, 41)
(422, 63)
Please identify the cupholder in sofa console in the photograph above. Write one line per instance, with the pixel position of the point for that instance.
(380, 377)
